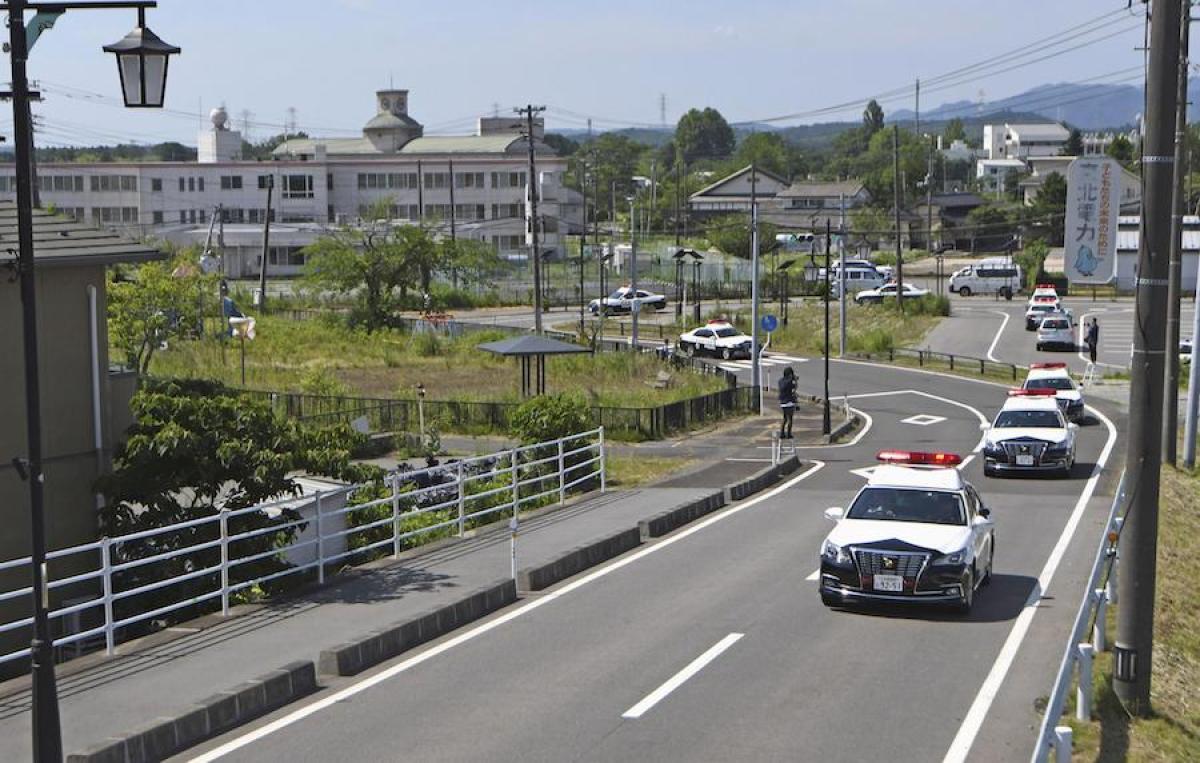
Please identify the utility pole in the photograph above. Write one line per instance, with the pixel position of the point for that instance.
(1133, 649)
(420, 195)
(582, 238)
(826, 418)
(47, 736)
(678, 196)
(535, 253)
(1170, 433)
(453, 227)
(842, 290)
(635, 304)
(262, 270)
(929, 208)
(896, 201)
(653, 196)
(755, 361)
(917, 109)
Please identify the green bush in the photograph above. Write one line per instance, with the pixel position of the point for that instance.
(549, 417)
(428, 344)
(872, 340)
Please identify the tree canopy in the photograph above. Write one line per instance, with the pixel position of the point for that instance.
(153, 303)
(1120, 149)
(732, 235)
(954, 131)
(768, 151)
(1074, 144)
(872, 118)
(704, 135)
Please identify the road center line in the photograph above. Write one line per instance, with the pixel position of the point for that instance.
(358, 687)
(973, 721)
(996, 339)
(677, 680)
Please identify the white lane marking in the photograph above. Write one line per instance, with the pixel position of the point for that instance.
(754, 460)
(356, 688)
(974, 718)
(991, 353)
(815, 576)
(677, 680)
(923, 419)
(939, 398)
(868, 422)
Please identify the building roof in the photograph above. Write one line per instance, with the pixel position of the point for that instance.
(531, 344)
(1045, 131)
(435, 144)
(707, 190)
(389, 121)
(61, 242)
(955, 200)
(821, 188)
(1015, 163)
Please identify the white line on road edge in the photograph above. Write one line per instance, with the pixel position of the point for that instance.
(996, 339)
(978, 414)
(677, 680)
(301, 713)
(973, 721)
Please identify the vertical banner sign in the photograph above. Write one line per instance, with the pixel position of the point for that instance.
(1090, 230)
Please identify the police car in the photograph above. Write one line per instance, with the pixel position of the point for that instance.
(1056, 332)
(1030, 434)
(1055, 376)
(622, 301)
(717, 337)
(1039, 309)
(917, 532)
(1042, 291)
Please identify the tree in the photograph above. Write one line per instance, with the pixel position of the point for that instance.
(1074, 144)
(990, 226)
(954, 131)
(872, 224)
(704, 135)
(561, 144)
(767, 151)
(371, 263)
(152, 304)
(732, 235)
(872, 118)
(613, 160)
(550, 417)
(1048, 209)
(1120, 149)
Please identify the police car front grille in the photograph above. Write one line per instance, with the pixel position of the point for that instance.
(1033, 448)
(906, 564)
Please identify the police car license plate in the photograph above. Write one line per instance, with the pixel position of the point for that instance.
(1024, 460)
(889, 583)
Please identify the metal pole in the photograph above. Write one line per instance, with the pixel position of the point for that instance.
(1170, 432)
(582, 240)
(535, 253)
(262, 270)
(1132, 654)
(755, 361)
(1193, 399)
(826, 423)
(842, 290)
(635, 306)
(896, 201)
(47, 737)
(453, 219)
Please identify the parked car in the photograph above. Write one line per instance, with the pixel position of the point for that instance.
(876, 296)
(621, 301)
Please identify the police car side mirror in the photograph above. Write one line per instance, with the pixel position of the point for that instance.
(985, 512)
(834, 513)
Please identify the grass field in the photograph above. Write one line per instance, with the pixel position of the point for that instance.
(1173, 732)
(626, 471)
(325, 357)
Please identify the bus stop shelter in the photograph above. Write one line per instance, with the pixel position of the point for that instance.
(532, 351)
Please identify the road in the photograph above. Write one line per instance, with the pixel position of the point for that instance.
(713, 645)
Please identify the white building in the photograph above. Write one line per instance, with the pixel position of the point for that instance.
(957, 151)
(1021, 141)
(991, 173)
(1127, 252)
(1042, 167)
(471, 185)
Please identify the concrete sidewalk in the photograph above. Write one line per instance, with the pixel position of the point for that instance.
(102, 697)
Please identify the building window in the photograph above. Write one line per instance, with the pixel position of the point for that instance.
(65, 183)
(181, 186)
(508, 180)
(297, 217)
(297, 186)
(109, 183)
(507, 211)
(158, 217)
(200, 184)
(264, 182)
(285, 255)
(192, 184)
(329, 181)
(182, 214)
(115, 215)
(469, 211)
(231, 182)
(436, 180)
(192, 216)
(155, 184)
(468, 180)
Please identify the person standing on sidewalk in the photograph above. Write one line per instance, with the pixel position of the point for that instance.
(1092, 338)
(787, 402)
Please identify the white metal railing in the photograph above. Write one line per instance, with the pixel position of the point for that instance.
(328, 534)
(1101, 591)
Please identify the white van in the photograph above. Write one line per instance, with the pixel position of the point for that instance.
(856, 278)
(995, 275)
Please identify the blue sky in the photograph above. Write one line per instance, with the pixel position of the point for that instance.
(610, 59)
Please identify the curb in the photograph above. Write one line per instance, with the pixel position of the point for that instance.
(841, 429)
(166, 736)
(578, 559)
(380, 645)
(672, 519)
(761, 480)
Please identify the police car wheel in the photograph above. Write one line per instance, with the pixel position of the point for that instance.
(727, 353)
(964, 291)
(987, 576)
(963, 605)
(689, 350)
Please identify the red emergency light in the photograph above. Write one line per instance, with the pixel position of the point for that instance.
(918, 458)
(1032, 392)
(1047, 286)
(1047, 366)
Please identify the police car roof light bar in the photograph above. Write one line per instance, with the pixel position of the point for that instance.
(1047, 366)
(1032, 392)
(918, 458)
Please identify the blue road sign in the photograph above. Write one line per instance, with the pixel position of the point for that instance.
(769, 323)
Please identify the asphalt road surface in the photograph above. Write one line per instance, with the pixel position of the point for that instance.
(712, 644)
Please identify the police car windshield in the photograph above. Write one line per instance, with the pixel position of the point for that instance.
(1028, 419)
(907, 505)
(1055, 323)
(617, 294)
(1049, 383)
(1044, 308)
(727, 331)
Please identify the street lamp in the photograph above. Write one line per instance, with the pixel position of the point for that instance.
(146, 71)
(142, 63)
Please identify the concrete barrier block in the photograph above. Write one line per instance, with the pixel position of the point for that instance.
(222, 711)
(341, 660)
(251, 699)
(111, 750)
(191, 726)
(157, 741)
(277, 688)
(578, 559)
(303, 676)
(428, 624)
(408, 635)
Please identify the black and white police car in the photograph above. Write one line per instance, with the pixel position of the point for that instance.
(1029, 434)
(622, 301)
(717, 337)
(1056, 376)
(1039, 308)
(917, 532)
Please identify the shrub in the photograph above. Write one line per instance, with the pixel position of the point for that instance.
(549, 417)
(428, 344)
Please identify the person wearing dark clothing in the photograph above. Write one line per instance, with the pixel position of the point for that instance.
(787, 402)
(1092, 338)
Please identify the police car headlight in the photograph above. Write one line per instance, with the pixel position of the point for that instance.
(958, 557)
(1059, 449)
(835, 553)
(993, 449)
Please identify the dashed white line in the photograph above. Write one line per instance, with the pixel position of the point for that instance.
(677, 680)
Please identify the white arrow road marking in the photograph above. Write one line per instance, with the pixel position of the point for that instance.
(864, 472)
(677, 680)
(923, 419)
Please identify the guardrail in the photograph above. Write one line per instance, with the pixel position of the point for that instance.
(1093, 610)
(929, 358)
(127, 580)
